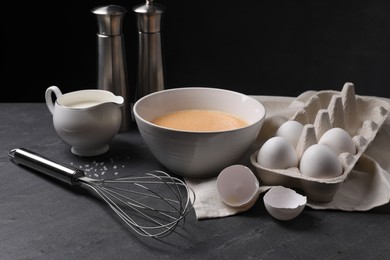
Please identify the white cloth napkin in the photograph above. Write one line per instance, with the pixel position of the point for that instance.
(367, 186)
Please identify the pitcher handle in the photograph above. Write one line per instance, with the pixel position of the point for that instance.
(48, 97)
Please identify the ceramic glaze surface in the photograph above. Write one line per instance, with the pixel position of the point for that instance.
(87, 119)
(198, 154)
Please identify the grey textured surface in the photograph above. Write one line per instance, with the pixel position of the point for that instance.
(41, 218)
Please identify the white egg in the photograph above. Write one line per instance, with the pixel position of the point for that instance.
(338, 140)
(291, 130)
(319, 161)
(277, 153)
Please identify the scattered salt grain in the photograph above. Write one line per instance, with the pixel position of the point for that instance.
(96, 169)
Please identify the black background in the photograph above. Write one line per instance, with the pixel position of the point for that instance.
(274, 47)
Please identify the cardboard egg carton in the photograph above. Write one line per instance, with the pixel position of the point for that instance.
(361, 117)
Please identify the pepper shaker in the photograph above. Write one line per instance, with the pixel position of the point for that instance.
(150, 61)
(112, 68)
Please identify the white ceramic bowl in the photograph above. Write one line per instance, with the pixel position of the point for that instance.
(198, 154)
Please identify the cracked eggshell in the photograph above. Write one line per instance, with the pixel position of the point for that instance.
(338, 140)
(277, 153)
(237, 186)
(284, 203)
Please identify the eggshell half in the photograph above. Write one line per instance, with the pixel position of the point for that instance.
(284, 203)
(238, 186)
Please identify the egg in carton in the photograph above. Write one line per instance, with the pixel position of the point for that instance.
(327, 118)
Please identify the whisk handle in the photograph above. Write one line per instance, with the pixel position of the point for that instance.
(49, 167)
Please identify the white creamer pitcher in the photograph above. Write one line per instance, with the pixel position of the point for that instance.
(86, 119)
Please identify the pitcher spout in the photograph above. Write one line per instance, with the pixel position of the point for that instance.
(119, 100)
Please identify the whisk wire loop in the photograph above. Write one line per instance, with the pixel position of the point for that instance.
(156, 221)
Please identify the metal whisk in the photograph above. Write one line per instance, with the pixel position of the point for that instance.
(152, 204)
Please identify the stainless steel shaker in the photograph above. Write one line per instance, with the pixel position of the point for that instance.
(112, 68)
(150, 61)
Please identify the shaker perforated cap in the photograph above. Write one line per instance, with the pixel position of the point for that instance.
(109, 19)
(149, 16)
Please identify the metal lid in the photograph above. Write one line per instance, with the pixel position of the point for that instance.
(110, 19)
(149, 16)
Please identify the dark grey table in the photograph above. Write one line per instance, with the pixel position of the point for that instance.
(45, 219)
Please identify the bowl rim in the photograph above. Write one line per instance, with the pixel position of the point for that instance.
(136, 115)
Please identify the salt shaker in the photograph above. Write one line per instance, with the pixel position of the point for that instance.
(112, 68)
(150, 60)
